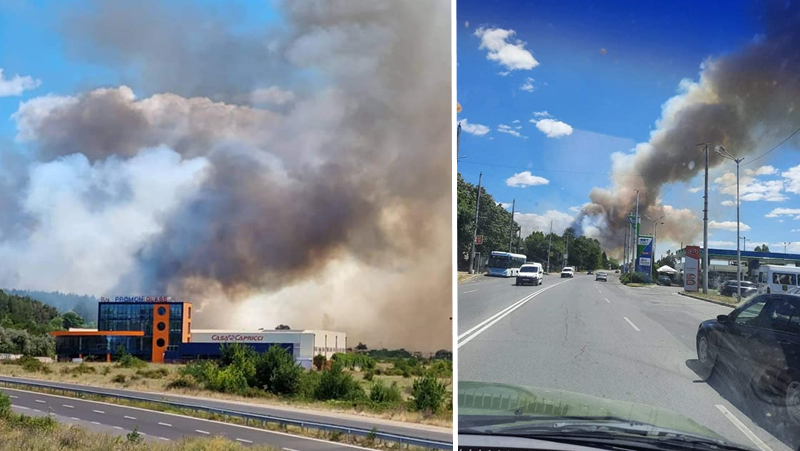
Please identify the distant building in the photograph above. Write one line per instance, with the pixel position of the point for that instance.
(162, 332)
(722, 263)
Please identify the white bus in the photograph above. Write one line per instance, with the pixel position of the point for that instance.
(777, 279)
(505, 264)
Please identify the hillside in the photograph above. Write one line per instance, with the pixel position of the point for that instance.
(83, 305)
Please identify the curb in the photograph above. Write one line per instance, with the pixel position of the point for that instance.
(469, 278)
(707, 300)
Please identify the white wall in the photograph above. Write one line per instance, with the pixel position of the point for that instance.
(327, 342)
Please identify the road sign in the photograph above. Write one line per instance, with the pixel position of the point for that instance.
(644, 254)
(691, 268)
(479, 239)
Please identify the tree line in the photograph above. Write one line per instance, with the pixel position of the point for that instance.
(496, 226)
(25, 324)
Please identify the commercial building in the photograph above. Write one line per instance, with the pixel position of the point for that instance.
(722, 263)
(159, 330)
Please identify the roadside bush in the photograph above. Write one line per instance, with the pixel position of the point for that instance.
(228, 380)
(336, 384)
(184, 381)
(5, 406)
(309, 381)
(129, 361)
(33, 365)
(637, 277)
(428, 394)
(44, 423)
(199, 370)
(277, 372)
(368, 376)
(119, 379)
(83, 368)
(441, 369)
(154, 373)
(380, 393)
(319, 362)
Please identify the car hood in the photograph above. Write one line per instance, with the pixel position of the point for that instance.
(483, 398)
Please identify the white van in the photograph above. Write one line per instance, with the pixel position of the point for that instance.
(530, 273)
(777, 279)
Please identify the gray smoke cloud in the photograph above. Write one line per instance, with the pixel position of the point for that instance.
(745, 101)
(333, 211)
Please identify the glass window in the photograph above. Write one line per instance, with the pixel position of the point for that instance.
(749, 315)
(162, 311)
(784, 279)
(783, 315)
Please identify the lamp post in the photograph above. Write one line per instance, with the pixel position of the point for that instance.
(785, 244)
(655, 235)
(724, 153)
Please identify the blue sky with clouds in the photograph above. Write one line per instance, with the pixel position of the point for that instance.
(550, 90)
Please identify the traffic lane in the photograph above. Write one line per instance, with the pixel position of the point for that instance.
(392, 427)
(570, 338)
(486, 298)
(158, 425)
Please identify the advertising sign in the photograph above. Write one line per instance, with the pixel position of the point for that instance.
(644, 256)
(479, 239)
(137, 299)
(691, 268)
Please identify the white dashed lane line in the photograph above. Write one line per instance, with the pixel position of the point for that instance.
(470, 291)
(95, 422)
(22, 407)
(13, 397)
(118, 428)
(75, 418)
(164, 438)
(98, 411)
(244, 440)
(753, 437)
(68, 406)
(129, 418)
(164, 424)
(200, 431)
(40, 401)
(631, 323)
(607, 300)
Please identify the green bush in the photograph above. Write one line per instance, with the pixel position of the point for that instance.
(154, 373)
(230, 379)
(184, 381)
(319, 361)
(83, 368)
(637, 277)
(44, 423)
(309, 381)
(336, 384)
(129, 361)
(5, 406)
(428, 394)
(33, 365)
(199, 370)
(277, 372)
(380, 393)
(368, 376)
(119, 379)
(351, 361)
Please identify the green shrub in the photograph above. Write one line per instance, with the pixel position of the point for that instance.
(319, 362)
(33, 365)
(277, 372)
(129, 361)
(309, 381)
(368, 376)
(44, 423)
(228, 380)
(637, 277)
(199, 370)
(5, 406)
(119, 379)
(154, 373)
(336, 384)
(428, 394)
(83, 368)
(183, 381)
(380, 393)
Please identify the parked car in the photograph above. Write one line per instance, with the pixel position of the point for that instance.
(616, 271)
(589, 272)
(664, 280)
(601, 276)
(530, 273)
(568, 271)
(761, 340)
(729, 288)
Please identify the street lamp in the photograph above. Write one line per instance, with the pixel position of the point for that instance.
(655, 235)
(724, 153)
(786, 243)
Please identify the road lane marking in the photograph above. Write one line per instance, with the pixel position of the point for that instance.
(98, 411)
(502, 314)
(165, 424)
(753, 437)
(164, 438)
(22, 407)
(68, 406)
(75, 418)
(289, 449)
(607, 300)
(118, 428)
(95, 422)
(631, 323)
(13, 397)
(470, 291)
(243, 440)
(200, 431)
(37, 410)
(129, 418)
(40, 401)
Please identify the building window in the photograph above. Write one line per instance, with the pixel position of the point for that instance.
(172, 348)
(162, 310)
(161, 325)
(160, 343)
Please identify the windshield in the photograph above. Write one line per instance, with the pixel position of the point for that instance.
(585, 131)
(529, 269)
(499, 262)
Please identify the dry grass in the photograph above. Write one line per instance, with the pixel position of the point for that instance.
(63, 437)
(715, 296)
(105, 373)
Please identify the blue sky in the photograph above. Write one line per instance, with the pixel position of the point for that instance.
(602, 73)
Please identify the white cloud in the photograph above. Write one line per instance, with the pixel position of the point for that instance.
(696, 189)
(541, 114)
(728, 203)
(553, 128)
(524, 179)
(474, 129)
(728, 225)
(763, 170)
(792, 177)
(575, 209)
(528, 85)
(513, 56)
(503, 128)
(272, 95)
(751, 188)
(722, 243)
(466, 24)
(504, 204)
(531, 222)
(515, 121)
(784, 212)
(16, 85)
(795, 230)
(504, 73)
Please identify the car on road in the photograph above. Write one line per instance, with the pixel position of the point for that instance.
(601, 276)
(589, 272)
(568, 271)
(760, 340)
(729, 288)
(616, 271)
(664, 280)
(530, 273)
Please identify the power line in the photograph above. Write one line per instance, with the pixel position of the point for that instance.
(770, 150)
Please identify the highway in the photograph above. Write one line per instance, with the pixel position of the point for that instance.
(608, 340)
(155, 426)
(338, 419)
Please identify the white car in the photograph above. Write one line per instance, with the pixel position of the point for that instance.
(568, 271)
(530, 273)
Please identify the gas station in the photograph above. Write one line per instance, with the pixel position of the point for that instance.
(722, 263)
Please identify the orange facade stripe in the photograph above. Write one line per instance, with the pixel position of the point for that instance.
(187, 322)
(157, 354)
(97, 333)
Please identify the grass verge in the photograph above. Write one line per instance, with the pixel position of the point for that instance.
(713, 295)
(370, 441)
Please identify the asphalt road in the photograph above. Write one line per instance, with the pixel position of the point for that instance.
(155, 426)
(608, 340)
(345, 420)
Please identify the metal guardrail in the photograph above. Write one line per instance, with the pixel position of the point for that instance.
(247, 416)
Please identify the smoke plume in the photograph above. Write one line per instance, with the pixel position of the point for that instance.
(331, 211)
(745, 101)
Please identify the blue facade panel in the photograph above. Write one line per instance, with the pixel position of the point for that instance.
(191, 351)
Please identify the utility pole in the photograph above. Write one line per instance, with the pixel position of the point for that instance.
(744, 243)
(475, 230)
(625, 247)
(636, 226)
(549, 245)
(705, 225)
(727, 155)
(511, 226)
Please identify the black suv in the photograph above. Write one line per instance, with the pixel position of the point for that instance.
(760, 339)
(729, 288)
